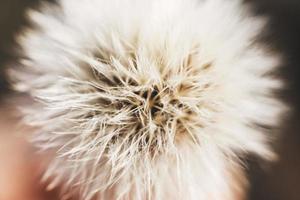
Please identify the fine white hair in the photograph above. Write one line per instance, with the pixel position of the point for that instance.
(148, 99)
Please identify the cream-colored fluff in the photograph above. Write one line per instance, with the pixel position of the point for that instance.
(148, 99)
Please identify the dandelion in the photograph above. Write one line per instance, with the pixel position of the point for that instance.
(153, 99)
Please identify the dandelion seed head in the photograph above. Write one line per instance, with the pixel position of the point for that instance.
(148, 99)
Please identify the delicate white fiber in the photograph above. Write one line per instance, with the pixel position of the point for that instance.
(148, 99)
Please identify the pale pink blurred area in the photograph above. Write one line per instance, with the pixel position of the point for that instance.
(20, 166)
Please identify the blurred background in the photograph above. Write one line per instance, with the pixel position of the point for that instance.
(20, 168)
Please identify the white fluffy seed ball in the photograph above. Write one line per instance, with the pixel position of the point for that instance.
(148, 99)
